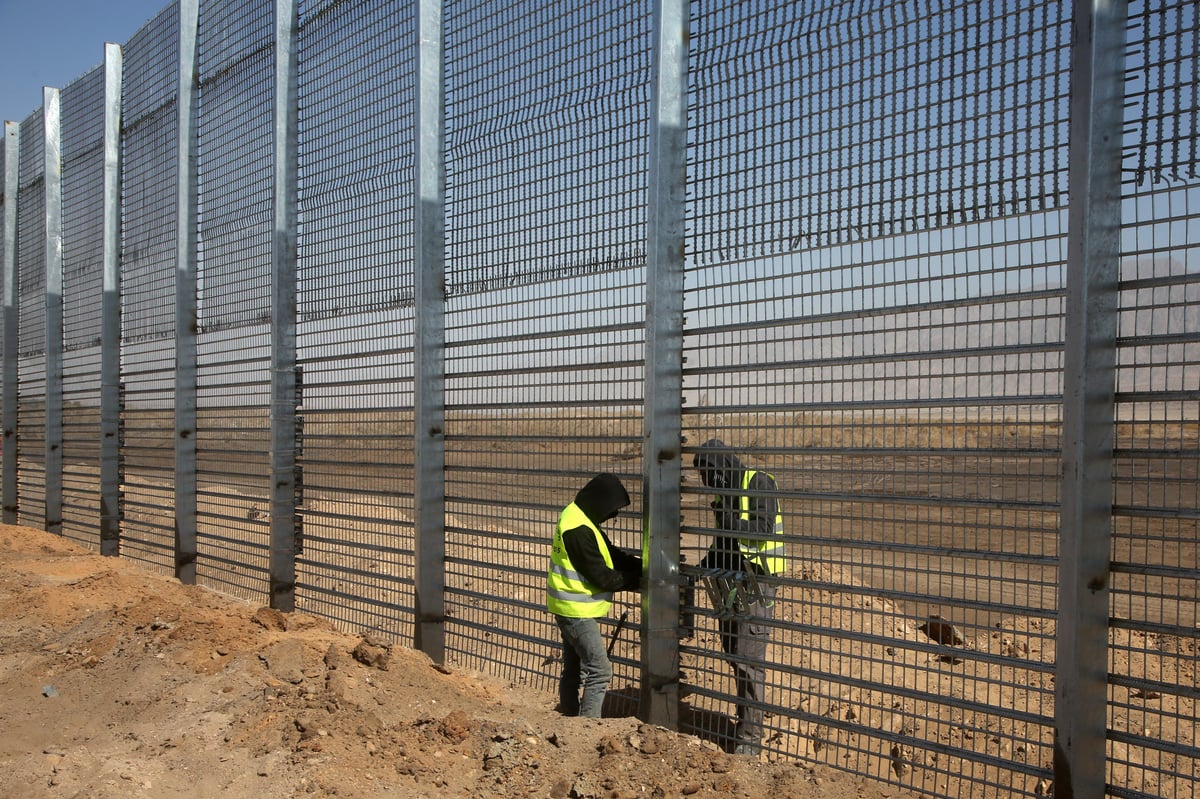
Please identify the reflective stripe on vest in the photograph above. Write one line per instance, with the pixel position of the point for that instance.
(568, 593)
(767, 554)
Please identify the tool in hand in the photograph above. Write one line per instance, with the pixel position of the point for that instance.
(617, 632)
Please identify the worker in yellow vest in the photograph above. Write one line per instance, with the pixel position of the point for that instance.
(748, 538)
(585, 570)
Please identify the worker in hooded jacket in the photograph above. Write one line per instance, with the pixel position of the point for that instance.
(749, 536)
(585, 570)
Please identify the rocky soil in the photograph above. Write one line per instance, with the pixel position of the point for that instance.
(121, 683)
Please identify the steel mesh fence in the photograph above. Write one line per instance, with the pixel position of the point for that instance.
(544, 330)
(83, 249)
(7, 204)
(235, 75)
(874, 318)
(31, 288)
(149, 133)
(1153, 740)
(355, 314)
(877, 313)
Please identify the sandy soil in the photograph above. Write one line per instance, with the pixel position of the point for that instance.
(121, 683)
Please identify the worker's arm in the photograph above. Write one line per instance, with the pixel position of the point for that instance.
(585, 556)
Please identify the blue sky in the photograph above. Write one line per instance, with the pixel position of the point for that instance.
(53, 42)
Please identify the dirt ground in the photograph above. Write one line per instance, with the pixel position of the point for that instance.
(121, 683)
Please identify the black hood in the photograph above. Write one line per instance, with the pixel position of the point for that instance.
(719, 468)
(602, 497)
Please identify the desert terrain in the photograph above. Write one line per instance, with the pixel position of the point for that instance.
(119, 683)
(858, 686)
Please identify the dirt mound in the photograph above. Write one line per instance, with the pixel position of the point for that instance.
(120, 683)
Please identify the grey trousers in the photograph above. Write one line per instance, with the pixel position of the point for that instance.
(586, 664)
(745, 641)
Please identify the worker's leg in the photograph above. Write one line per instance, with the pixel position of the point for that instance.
(583, 635)
(745, 640)
(568, 685)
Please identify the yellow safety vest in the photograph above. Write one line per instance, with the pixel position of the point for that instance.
(766, 553)
(568, 594)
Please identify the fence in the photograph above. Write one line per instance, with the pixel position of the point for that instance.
(335, 304)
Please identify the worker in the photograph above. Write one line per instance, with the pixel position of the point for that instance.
(585, 570)
(748, 541)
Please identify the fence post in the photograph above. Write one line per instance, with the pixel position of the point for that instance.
(283, 317)
(1093, 267)
(110, 311)
(429, 371)
(52, 188)
(12, 162)
(664, 383)
(185, 301)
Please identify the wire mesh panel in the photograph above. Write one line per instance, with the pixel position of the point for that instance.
(236, 71)
(31, 288)
(874, 376)
(6, 203)
(876, 253)
(83, 273)
(355, 313)
(546, 125)
(1154, 742)
(149, 144)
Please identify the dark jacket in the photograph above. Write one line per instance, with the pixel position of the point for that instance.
(723, 472)
(601, 499)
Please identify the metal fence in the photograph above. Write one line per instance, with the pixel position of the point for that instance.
(334, 305)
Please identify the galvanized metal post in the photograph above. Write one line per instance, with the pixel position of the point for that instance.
(1093, 262)
(283, 317)
(12, 161)
(52, 188)
(664, 380)
(429, 371)
(186, 320)
(110, 311)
